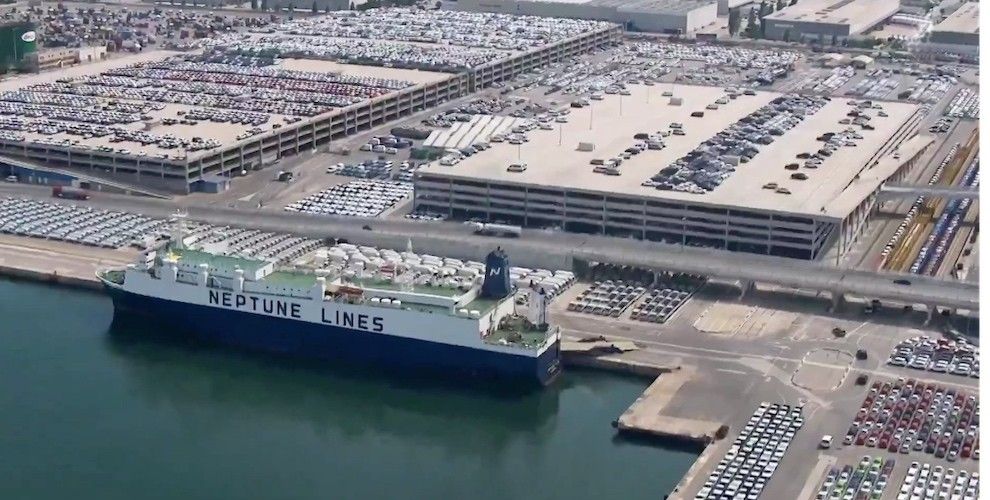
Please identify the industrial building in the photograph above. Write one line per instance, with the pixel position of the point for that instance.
(761, 207)
(60, 57)
(222, 149)
(962, 27)
(658, 16)
(724, 6)
(826, 20)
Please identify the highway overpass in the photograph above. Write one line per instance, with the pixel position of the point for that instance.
(557, 250)
(891, 191)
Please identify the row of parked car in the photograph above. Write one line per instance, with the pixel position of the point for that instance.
(965, 104)
(924, 482)
(665, 297)
(866, 481)
(929, 88)
(429, 39)
(375, 169)
(252, 243)
(446, 27)
(83, 225)
(716, 60)
(754, 456)
(607, 298)
(942, 125)
(360, 198)
(957, 357)
(115, 134)
(708, 165)
(388, 144)
(463, 113)
(876, 85)
(933, 251)
(909, 415)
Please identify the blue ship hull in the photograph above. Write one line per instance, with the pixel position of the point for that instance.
(310, 340)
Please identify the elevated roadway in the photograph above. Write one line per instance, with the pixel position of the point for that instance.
(558, 250)
(890, 191)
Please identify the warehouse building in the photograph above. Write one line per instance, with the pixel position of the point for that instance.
(828, 19)
(962, 27)
(657, 16)
(760, 207)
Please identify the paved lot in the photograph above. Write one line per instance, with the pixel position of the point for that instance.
(801, 363)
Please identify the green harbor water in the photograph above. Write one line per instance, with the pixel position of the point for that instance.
(95, 410)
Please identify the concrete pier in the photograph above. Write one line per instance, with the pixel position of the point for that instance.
(647, 417)
(50, 261)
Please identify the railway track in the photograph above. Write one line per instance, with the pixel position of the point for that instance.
(905, 255)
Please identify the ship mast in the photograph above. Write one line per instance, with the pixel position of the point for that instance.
(178, 230)
(406, 285)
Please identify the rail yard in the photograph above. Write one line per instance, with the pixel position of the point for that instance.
(418, 145)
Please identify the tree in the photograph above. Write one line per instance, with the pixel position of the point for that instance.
(264, 5)
(735, 19)
(438, 5)
(781, 4)
(794, 2)
(315, 10)
(764, 9)
(254, 4)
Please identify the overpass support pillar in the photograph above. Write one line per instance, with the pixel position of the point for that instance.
(931, 314)
(838, 300)
(745, 286)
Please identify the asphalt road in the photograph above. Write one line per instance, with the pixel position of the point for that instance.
(558, 250)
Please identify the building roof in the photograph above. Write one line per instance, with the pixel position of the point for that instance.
(553, 165)
(463, 134)
(966, 19)
(851, 12)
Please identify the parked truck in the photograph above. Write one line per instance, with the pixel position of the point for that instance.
(69, 192)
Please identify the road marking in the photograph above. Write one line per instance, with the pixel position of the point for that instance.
(739, 357)
(811, 484)
(727, 370)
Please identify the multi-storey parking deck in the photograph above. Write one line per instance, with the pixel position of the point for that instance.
(188, 122)
(704, 171)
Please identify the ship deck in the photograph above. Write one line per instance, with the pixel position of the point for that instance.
(518, 333)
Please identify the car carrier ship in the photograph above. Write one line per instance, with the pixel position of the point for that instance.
(390, 318)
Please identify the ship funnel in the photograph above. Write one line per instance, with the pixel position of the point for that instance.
(497, 284)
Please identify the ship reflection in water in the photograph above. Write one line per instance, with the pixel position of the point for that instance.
(353, 399)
